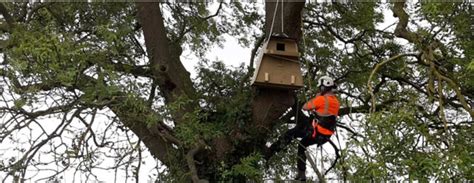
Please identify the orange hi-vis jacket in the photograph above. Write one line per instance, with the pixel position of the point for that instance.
(324, 106)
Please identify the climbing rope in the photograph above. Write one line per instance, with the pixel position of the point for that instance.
(322, 158)
(274, 16)
(282, 9)
(273, 21)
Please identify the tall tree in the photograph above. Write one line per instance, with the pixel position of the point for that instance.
(106, 72)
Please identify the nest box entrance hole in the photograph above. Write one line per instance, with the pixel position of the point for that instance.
(280, 46)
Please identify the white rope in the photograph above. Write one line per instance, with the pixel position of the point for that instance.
(273, 20)
(282, 4)
(316, 158)
(322, 159)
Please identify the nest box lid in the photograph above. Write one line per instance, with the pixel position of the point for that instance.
(281, 36)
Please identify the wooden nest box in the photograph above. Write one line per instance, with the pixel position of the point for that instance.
(278, 65)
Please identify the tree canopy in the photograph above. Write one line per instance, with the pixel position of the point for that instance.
(95, 86)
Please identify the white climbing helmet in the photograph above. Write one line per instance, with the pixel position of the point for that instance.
(326, 81)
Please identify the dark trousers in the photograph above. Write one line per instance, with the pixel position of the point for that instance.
(300, 131)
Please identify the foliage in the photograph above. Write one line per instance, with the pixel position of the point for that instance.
(226, 93)
(77, 83)
(249, 167)
(405, 139)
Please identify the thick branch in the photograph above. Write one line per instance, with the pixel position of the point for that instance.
(173, 80)
(365, 108)
(190, 160)
(401, 29)
(254, 50)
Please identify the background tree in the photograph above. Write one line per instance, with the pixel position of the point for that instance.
(103, 73)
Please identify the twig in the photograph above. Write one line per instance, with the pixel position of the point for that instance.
(349, 130)
(377, 67)
(137, 172)
(182, 34)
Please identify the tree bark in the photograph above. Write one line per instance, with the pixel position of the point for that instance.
(173, 79)
(174, 83)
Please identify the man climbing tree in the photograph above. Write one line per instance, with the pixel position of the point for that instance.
(324, 109)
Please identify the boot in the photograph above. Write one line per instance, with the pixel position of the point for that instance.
(301, 176)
